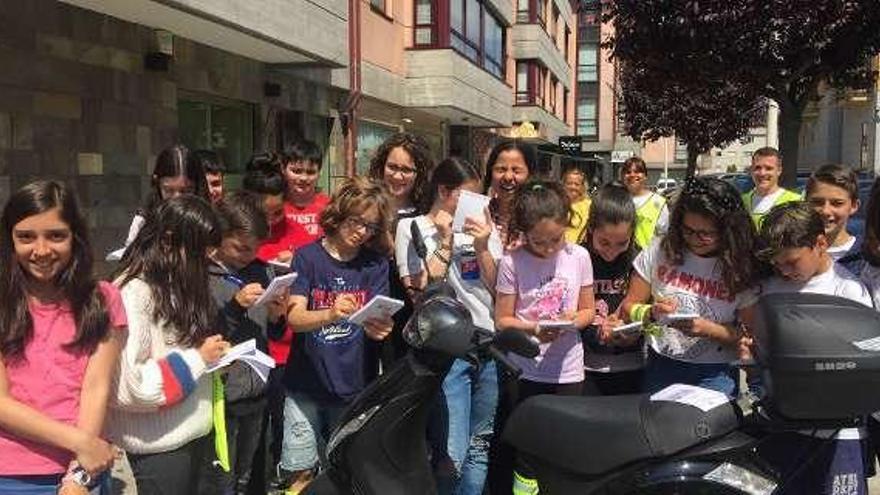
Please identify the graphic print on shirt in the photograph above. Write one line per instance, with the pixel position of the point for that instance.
(309, 221)
(323, 297)
(467, 262)
(707, 288)
(549, 299)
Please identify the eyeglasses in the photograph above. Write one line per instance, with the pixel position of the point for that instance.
(703, 235)
(358, 222)
(403, 170)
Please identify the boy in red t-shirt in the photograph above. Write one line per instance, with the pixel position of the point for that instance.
(303, 205)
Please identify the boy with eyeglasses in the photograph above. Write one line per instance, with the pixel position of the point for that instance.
(793, 239)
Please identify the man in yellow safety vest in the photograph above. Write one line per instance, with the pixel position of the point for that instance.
(766, 170)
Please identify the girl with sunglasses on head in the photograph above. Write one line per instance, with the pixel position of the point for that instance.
(696, 284)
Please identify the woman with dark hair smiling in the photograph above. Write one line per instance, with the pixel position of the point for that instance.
(511, 163)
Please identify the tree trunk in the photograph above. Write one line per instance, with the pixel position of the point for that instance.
(790, 120)
(693, 154)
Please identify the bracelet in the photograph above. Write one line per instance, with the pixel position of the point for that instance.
(639, 312)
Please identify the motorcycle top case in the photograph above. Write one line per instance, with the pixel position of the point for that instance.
(819, 354)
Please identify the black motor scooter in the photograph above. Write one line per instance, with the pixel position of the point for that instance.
(808, 347)
(819, 357)
(379, 444)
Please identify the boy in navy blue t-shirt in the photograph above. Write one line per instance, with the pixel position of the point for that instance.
(333, 359)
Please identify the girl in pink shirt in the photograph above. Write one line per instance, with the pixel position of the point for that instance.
(545, 281)
(60, 339)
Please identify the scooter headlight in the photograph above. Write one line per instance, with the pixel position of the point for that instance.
(741, 479)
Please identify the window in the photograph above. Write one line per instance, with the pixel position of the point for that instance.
(477, 34)
(474, 31)
(424, 34)
(523, 95)
(565, 105)
(565, 39)
(370, 136)
(587, 122)
(494, 45)
(225, 126)
(378, 5)
(587, 66)
(551, 101)
(553, 26)
(541, 74)
(524, 11)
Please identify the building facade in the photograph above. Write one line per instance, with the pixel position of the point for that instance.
(92, 90)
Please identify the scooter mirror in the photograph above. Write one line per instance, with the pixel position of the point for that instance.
(516, 342)
(443, 324)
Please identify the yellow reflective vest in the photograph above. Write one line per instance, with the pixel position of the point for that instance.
(580, 212)
(749, 197)
(646, 219)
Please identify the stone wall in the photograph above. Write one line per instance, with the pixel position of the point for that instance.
(77, 104)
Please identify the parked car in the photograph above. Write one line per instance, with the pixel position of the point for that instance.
(664, 186)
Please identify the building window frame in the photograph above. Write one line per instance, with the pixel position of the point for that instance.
(217, 130)
(420, 26)
(458, 36)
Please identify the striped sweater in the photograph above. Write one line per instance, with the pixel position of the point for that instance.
(162, 395)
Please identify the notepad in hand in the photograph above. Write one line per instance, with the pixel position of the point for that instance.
(471, 205)
(248, 353)
(378, 307)
(277, 286)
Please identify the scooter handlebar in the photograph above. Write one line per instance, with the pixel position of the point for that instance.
(504, 361)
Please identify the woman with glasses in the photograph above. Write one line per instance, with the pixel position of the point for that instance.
(403, 165)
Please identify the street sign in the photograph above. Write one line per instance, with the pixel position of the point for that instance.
(570, 144)
(620, 156)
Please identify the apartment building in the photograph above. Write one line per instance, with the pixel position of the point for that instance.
(465, 73)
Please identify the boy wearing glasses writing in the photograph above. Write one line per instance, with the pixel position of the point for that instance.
(333, 359)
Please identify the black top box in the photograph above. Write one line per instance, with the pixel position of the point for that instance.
(820, 355)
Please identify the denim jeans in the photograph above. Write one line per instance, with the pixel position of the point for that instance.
(307, 426)
(467, 420)
(662, 371)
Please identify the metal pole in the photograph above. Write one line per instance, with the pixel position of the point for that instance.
(666, 158)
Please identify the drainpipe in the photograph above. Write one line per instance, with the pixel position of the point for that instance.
(354, 82)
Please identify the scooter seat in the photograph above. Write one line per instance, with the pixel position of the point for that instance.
(592, 435)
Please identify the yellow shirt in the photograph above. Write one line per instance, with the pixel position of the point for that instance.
(580, 212)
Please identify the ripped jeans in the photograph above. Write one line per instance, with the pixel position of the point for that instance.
(464, 427)
(307, 427)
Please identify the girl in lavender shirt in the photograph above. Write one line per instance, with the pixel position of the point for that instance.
(545, 279)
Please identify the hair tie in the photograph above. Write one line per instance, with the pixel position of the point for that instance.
(537, 187)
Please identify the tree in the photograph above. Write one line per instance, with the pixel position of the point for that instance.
(779, 49)
(657, 106)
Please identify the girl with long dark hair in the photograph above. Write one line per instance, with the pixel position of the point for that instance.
(162, 407)
(60, 338)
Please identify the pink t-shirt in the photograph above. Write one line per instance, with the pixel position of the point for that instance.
(546, 288)
(49, 378)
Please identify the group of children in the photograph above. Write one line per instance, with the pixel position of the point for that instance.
(92, 368)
